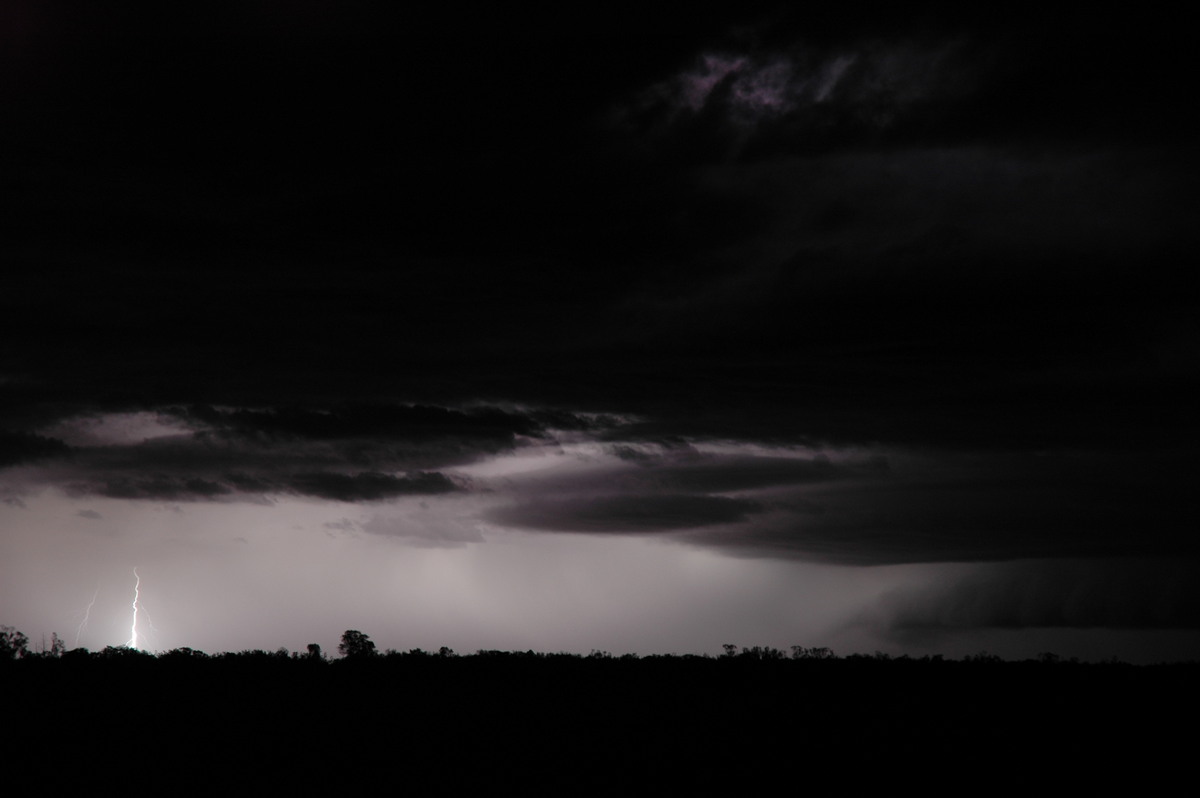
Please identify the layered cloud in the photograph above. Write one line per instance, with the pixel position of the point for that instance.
(625, 514)
(559, 471)
(346, 453)
(869, 508)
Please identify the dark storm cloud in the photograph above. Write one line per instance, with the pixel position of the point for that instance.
(720, 474)
(904, 231)
(790, 83)
(649, 467)
(864, 507)
(363, 486)
(92, 514)
(989, 507)
(805, 98)
(369, 486)
(631, 514)
(273, 445)
(416, 436)
(265, 171)
(840, 175)
(343, 452)
(250, 484)
(24, 447)
(1137, 594)
(405, 422)
(158, 488)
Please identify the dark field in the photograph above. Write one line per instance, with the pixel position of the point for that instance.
(565, 724)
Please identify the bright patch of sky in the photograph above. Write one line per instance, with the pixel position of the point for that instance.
(229, 576)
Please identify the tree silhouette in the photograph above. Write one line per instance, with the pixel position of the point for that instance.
(13, 644)
(356, 644)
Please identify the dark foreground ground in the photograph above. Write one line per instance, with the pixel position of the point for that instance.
(561, 724)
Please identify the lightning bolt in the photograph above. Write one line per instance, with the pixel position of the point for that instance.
(87, 613)
(133, 641)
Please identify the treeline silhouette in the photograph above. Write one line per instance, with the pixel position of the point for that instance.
(439, 722)
(357, 646)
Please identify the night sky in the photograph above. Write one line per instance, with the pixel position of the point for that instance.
(608, 328)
